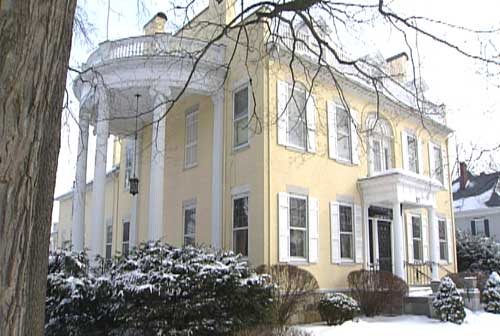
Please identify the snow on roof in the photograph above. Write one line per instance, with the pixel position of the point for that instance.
(480, 192)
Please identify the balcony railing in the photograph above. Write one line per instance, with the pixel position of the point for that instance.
(155, 45)
(418, 273)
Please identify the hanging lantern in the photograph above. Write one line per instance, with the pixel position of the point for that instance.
(134, 181)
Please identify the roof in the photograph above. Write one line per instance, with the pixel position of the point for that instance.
(481, 191)
(69, 193)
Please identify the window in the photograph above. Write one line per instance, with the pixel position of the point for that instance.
(298, 227)
(443, 245)
(190, 156)
(413, 158)
(109, 239)
(189, 223)
(438, 164)
(346, 232)
(343, 134)
(296, 125)
(416, 224)
(125, 238)
(240, 225)
(129, 161)
(240, 117)
(480, 227)
(381, 143)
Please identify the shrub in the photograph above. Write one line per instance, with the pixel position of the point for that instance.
(272, 331)
(448, 302)
(157, 289)
(292, 286)
(491, 294)
(337, 308)
(377, 292)
(477, 253)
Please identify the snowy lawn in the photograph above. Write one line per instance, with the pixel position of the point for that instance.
(478, 323)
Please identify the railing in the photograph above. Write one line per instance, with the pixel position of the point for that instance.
(418, 273)
(155, 45)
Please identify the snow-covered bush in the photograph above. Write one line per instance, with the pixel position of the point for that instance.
(491, 294)
(477, 253)
(159, 289)
(377, 292)
(337, 308)
(448, 302)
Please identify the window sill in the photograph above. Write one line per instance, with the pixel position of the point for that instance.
(194, 165)
(298, 262)
(344, 162)
(297, 149)
(241, 148)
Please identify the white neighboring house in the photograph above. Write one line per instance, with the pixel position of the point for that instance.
(476, 203)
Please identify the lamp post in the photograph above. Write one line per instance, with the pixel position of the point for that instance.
(134, 181)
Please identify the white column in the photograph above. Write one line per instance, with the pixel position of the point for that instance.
(399, 250)
(156, 183)
(78, 222)
(217, 167)
(434, 242)
(99, 185)
(134, 215)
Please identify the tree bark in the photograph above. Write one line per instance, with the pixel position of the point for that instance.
(35, 43)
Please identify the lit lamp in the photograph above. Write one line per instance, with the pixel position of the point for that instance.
(134, 181)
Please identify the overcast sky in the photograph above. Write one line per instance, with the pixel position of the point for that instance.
(472, 102)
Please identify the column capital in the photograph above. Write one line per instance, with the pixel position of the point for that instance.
(218, 97)
(160, 92)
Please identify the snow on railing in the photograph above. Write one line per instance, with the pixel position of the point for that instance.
(154, 45)
(304, 45)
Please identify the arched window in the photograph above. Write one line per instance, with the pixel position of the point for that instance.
(380, 144)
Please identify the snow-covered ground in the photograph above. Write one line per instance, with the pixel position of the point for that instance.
(478, 323)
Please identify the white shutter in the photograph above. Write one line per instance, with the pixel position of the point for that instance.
(449, 240)
(446, 167)
(332, 129)
(284, 229)
(311, 124)
(425, 238)
(409, 232)
(370, 157)
(313, 230)
(358, 234)
(420, 145)
(354, 136)
(432, 163)
(404, 147)
(282, 112)
(335, 232)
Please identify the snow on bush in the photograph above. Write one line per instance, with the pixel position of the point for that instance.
(337, 308)
(491, 294)
(158, 289)
(448, 302)
(477, 253)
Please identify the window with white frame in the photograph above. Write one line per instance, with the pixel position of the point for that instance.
(416, 223)
(346, 232)
(344, 139)
(437, 166)
(189, 214)
(126, 238)
(413, 159)
(381, 143)
(129, 161)
(443, 244)
(298, 226)
(297, 125)
(240, 225)
(480, 227)
(109, 238)
(240, 117)
(190, 156)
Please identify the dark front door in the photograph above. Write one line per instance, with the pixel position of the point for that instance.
(384, 245)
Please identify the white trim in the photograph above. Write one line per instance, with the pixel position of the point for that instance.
(335, 233)
(242, 189)
(189, 205)
(306, 229)
(191, 120)
(244, 85)
(234, 197)
(217, 168)
(353, 243)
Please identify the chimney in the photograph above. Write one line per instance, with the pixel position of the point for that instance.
(396, 67)
(156, 24)
(464, 175)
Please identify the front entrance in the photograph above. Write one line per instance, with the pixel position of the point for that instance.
(384, 245)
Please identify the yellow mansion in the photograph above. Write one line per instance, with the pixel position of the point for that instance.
(235, 164)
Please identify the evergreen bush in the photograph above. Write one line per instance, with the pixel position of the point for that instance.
(337, 308)
(448, 302)
(477, 253)
(491, 294)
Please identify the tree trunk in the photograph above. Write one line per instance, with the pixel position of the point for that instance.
(35, 43)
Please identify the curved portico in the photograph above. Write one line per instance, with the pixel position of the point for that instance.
(161, 68)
